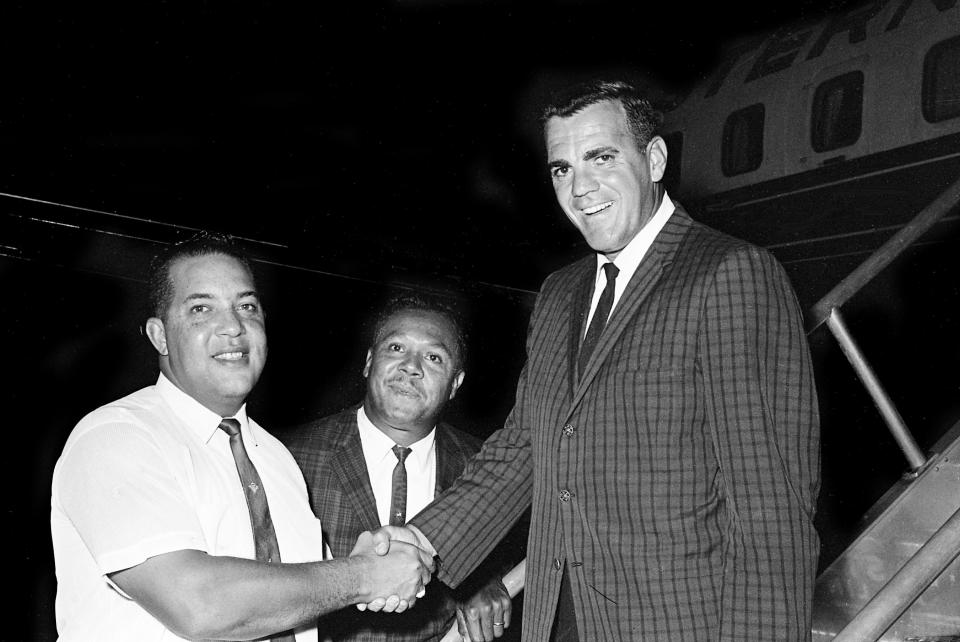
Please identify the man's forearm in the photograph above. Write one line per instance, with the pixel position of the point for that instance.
(254, 604)
(196, 595)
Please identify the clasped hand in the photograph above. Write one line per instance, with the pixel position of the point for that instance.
(398, 569)
(484, 616)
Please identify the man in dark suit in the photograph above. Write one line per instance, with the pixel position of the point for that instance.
(414, 366)
(665, 428)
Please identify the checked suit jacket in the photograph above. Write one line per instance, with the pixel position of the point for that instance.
(677, 479)
(331, 458)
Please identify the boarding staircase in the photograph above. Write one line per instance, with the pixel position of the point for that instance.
(900, 577)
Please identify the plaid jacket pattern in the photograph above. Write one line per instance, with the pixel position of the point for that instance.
(331, 458)
(677, 479)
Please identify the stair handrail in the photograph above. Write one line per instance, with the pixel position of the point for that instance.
(894, 247)
(906, 585)
(827, 310)
(891, 416)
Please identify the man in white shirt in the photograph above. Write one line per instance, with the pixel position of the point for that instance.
(153, 538)
(414, 366)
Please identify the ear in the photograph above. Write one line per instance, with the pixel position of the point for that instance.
(366, 366)
(657, 158)
(456, 383)
(157, 335)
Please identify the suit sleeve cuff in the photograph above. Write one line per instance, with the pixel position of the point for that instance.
(424, 542)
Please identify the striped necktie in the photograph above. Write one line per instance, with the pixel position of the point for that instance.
(398, 501)
(264, 537)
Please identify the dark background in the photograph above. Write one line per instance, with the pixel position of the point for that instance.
(361, 149)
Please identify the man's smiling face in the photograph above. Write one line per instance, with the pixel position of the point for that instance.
(605, 184)
(212, 339)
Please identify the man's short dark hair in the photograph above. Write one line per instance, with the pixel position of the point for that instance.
(421, 302)
(200, 244)
(643, 120)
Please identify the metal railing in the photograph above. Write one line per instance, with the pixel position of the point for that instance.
(906, 586)
(943, 547)
(827, 310)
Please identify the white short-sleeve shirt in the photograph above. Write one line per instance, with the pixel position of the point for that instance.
(152, 473)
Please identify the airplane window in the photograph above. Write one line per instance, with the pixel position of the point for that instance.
(742, 149)
(837, 112)
(671, 178)
(941, 81)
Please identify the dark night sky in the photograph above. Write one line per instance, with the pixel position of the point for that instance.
(405, 130)
(370, 142)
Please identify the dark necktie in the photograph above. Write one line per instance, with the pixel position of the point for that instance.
(264, 537)
(599, 319)
(398, 502)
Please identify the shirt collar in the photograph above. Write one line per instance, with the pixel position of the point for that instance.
(630, 256)
(377, 446)
(200, 421)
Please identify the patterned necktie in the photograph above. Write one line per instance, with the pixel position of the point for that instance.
(264, 537)
(599, 319)
(398, 502)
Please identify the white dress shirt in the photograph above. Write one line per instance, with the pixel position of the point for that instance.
(152, 473)
(421, 466)
(629, 258)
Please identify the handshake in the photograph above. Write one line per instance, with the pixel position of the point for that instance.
(398, 566)
(399, 561)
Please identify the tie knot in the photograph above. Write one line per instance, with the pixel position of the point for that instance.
(230, 426)
(401, 453)
(611, 271)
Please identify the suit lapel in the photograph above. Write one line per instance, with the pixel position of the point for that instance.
(349, 466)
(449, 461)
(585, 282)
(641, 284)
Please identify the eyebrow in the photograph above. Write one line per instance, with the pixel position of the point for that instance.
(204, 295)
(590, 154)
(434, 345)
(442, 346)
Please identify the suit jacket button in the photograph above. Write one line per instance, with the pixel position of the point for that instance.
(556, 563)
(569, 429)
(565, 495)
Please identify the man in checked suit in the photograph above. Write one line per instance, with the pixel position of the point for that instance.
(414, 366)
(672, 467)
